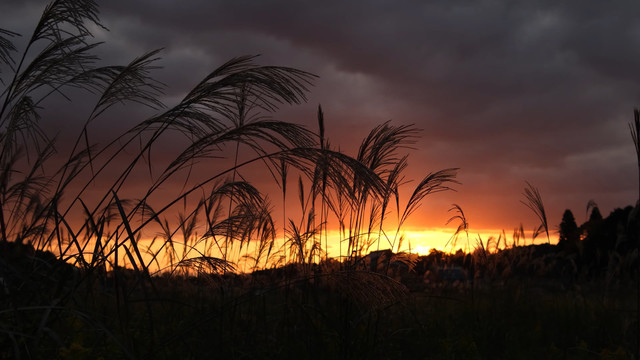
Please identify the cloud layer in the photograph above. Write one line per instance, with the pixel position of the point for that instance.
(506, 90)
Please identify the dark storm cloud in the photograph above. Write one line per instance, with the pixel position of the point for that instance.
(506, 90)
(477, 65)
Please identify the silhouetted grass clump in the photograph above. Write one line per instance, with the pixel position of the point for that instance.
(92, 269)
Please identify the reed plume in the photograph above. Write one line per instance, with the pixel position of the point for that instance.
(534, 202)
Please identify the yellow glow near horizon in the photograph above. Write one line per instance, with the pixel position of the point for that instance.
(414, 240)
(422, 240)
(422, 249)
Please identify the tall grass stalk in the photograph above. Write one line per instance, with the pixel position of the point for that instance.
(534, 202)
(635, 136)
(463, 227)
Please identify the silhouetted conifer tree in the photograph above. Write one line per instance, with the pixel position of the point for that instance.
(592, 229)
(569, 234)
(595, 216)
(592, 232)
(616, 231)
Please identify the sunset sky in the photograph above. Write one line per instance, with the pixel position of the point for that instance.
(507, 91)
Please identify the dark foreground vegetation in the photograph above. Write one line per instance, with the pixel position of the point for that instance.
(525, 305)
(96, 261)
(546, 301)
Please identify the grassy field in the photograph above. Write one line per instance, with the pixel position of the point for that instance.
(52, 310)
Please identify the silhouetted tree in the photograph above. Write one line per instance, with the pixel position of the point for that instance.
(633, 231)
(592, 233)
(602, 237)
(569, 234)
(592, 229)
(595, 216)
(620, 235)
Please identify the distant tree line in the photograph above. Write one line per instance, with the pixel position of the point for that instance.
(599, 241)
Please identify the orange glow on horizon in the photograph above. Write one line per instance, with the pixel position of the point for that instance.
(415, 240)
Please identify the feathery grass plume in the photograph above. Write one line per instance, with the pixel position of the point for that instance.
(215, 99)
(379, 151)
(266, 234)
(341, 170)
(321, 168)
(122, 84)
(298, 243)
(463, 226)
(502, 237)
(6, 48)
(406, 258)
(58, 65)
(137, 263)
(131, 83)
(62, 27)
(518, 234)
(534, 202)
(491, 241)
(26, 208)
(249, 218)
(635, 136)
(484, 259)
(61, 63)
(206, 265)
(200, 113)
(394, 180)
(283, 171)
(256, 135)
(432, 183)
(371, 290)
(117, 84)
(95, 230)
(74, 13)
